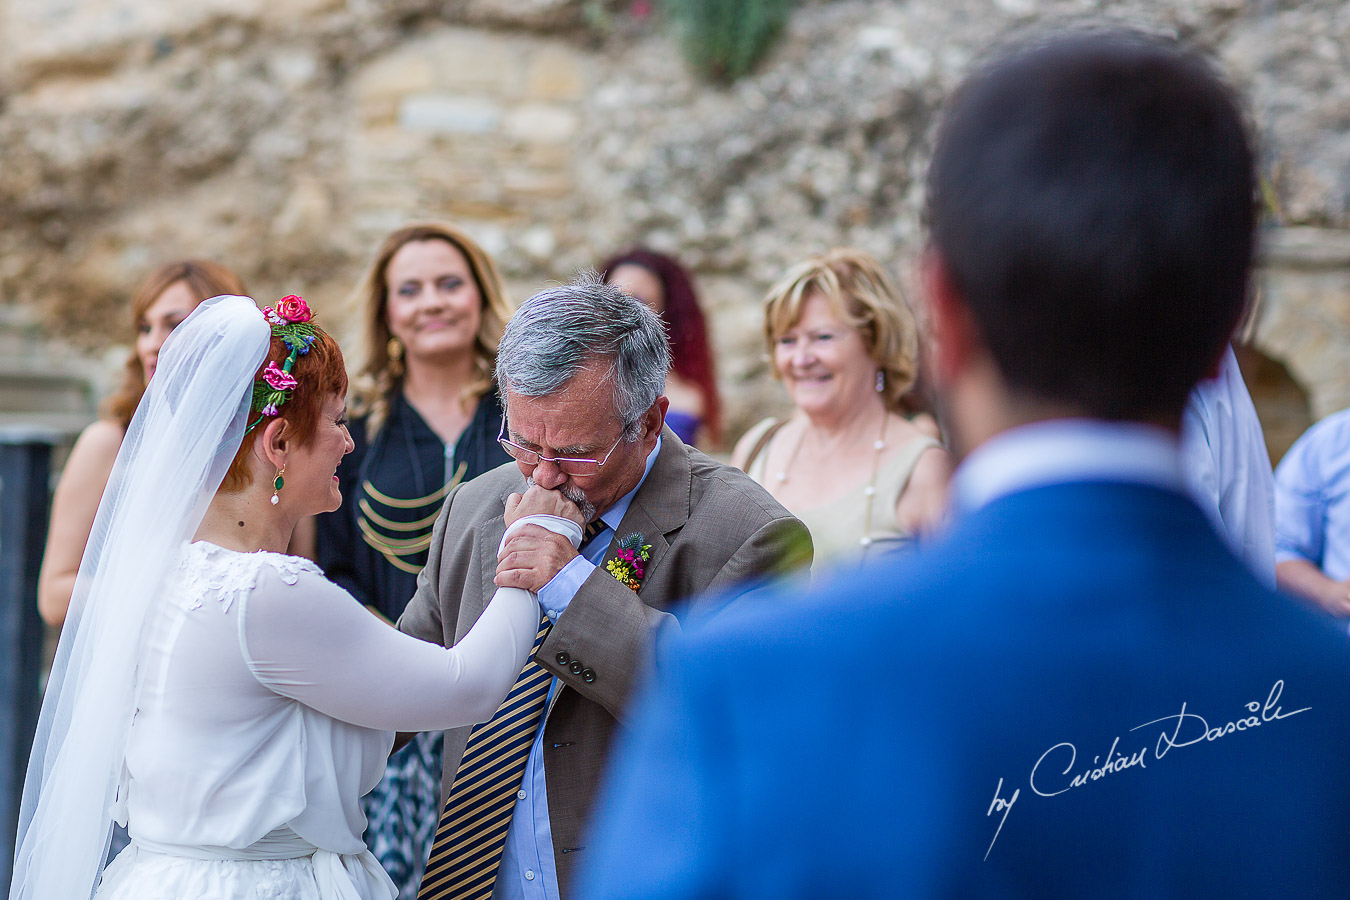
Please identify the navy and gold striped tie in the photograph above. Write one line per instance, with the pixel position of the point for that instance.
(589, 534)
(472, 832)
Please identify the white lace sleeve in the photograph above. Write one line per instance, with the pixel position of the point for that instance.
(307, 639)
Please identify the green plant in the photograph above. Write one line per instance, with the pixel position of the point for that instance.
(723, 39)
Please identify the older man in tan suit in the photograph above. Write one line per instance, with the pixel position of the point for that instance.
(582, 369)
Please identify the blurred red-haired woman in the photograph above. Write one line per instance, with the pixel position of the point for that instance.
(695, 409)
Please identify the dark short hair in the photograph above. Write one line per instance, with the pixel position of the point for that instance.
(1091, 198)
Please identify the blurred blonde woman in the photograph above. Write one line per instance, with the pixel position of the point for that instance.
(846, 461)
(425, 417)
(161, 302)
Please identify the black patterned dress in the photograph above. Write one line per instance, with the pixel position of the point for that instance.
(392, 490)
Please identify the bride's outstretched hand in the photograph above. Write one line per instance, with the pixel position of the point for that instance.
(542, 501)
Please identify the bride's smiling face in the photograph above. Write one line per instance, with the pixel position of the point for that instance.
(311, 484)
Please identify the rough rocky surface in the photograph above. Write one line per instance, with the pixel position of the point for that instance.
(285, 137)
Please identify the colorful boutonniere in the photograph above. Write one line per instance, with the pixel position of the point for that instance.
(629, 562)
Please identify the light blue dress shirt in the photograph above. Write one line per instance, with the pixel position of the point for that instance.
(1312, 498)
(1227, 467)
(527, 869)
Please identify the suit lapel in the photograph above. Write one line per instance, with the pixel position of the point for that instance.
(489, 538)
(661, 504)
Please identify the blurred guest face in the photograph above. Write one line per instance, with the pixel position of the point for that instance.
(434, 303)
(162, 317)
(311, 469)
(640, 282)
(823, 361)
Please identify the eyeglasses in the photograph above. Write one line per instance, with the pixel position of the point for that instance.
(573, 467)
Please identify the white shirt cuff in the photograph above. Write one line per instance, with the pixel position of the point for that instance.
(556, 524)
(560, 590)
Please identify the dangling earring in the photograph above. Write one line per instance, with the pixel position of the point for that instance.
(277, 484)
(395, 350)
(881, 380)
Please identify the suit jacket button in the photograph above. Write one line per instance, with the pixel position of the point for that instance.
(562, 658)
(575, 667)
(588, 675)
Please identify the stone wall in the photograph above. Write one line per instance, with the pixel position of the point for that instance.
(285, 137)
(1303, 315)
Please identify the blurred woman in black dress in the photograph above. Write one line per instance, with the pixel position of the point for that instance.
(425, 417)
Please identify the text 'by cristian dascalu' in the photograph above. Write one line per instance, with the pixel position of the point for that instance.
(1051, 774)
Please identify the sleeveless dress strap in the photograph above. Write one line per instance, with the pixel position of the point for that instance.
(894, 477)
(763, 432)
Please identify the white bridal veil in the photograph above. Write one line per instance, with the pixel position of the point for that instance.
(175, 454)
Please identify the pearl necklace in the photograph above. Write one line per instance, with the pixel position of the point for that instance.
(869, 491)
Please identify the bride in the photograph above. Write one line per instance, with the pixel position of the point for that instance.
(221, 699)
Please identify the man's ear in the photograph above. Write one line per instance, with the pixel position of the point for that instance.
(955, 339)
(657, 417)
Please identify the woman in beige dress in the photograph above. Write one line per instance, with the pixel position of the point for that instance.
(846, 461)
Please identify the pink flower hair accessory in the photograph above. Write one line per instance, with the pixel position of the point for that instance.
(290, 321)
(282, 381)
(293, 308)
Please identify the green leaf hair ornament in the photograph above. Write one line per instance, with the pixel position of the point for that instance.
(290, 321)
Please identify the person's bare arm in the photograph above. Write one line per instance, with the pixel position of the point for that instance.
(1298, 576)
(73, 509)
(924, 500)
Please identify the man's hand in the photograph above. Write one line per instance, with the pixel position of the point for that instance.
(532, 556)
(539, 501)
(1338, 603)
(1301, 577)
(1335, 598)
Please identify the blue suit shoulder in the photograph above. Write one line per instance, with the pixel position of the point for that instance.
(898, 703)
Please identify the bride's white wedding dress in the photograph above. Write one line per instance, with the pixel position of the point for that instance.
(265, 710)
(229, 708)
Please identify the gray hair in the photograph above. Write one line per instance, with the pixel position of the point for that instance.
(561, 329)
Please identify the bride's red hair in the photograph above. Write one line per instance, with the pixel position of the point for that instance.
(321, 373)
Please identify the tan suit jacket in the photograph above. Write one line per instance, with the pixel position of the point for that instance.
(709, 525)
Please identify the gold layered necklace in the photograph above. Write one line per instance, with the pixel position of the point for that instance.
(401, 528)
(392, 548)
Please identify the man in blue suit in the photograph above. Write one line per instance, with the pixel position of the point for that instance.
(1079, 691)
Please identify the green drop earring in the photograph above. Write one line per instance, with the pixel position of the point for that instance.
(277, 484)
